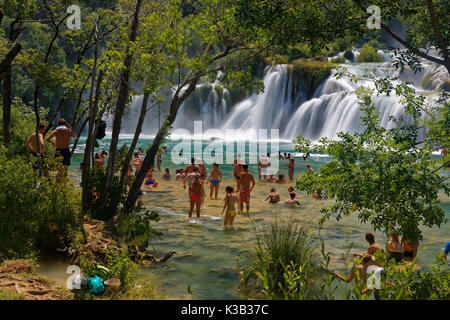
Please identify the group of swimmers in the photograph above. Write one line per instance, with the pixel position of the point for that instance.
(397, 249)
(274, 197)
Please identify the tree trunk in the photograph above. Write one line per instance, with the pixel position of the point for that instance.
(149, 159)
(124, 90)
(7, 101)
(137, 133)
(86, 167)
(75, 143)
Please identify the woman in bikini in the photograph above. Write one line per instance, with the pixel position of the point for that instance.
(196, 195)
(231, 201)
(290, 165)
(395, 248)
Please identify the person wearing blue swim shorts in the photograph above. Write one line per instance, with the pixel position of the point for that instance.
(215, 178)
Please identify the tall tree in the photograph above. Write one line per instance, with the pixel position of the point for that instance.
(211, 24)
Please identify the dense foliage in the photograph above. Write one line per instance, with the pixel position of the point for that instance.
(368, 54)
(36, 214)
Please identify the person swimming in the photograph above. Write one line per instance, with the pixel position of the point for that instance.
(273, 196)
(281, 178)
(166, 174)
(271, 178)
(231, 200)
(292, 201)
(150, 181)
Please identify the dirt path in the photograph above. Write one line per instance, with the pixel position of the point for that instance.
(16, 276)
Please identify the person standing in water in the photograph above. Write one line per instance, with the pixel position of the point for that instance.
(290, 165)
(243, 185)
(158, 159)
(98, 161)
(237, 169)
(31, 144)
(197, 193)
(263, 165)
(190, 178)
(395, 248)
(62, 136)
(137, 162)
(373, 246)
(230, 206)
(215, 178)
(190, 168)
(310, 170)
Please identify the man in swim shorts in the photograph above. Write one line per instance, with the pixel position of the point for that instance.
(31, 144)
(244, 188)
(62, 135)
(137, 162)
(215, 178)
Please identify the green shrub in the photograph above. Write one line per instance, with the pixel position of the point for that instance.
(283, 261)
(10, 295)
(310, 73)
(368, 54)
(118, 265)
(136, 229)
(276, 59)
(338, 60)
(35, 213)
(117, 194)
(376, 44)
(430, 283)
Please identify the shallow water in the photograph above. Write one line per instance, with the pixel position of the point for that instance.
(207, 252)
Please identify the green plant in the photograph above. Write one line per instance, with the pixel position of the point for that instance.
(368, 54)
(117, 194)
(116, 265)
(36, 214)
(136, 229)
(22, 126)
(338, 60)
(310, 73)
(10, 295)
(283, 261)
(429, 283)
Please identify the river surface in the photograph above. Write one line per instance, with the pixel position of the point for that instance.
(207, 253)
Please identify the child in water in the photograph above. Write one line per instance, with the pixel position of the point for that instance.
(292, 201)
(231, 201)
(166, 174)
(273, 196)
(150, 181)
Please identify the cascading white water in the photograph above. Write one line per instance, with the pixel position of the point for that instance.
(284, 105)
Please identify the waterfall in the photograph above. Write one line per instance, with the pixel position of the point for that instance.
(284, 104)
